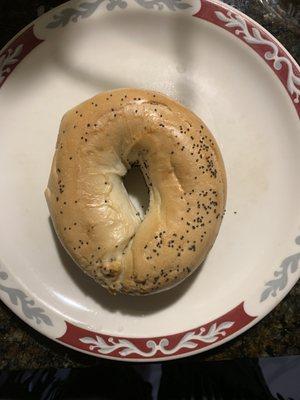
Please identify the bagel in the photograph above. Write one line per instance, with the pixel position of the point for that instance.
(98, 142)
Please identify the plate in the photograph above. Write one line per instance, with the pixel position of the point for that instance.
(245, 86)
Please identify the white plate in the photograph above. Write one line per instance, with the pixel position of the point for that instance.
(245, 86)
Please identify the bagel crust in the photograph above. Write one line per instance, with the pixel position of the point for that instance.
(98, 141)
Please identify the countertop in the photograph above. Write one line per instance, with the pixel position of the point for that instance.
(22, 348)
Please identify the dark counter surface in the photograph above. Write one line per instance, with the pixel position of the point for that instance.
(21, 347)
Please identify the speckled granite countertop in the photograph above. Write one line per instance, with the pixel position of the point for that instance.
(22, 347)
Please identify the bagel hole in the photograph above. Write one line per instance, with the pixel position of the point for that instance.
(137, 190)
